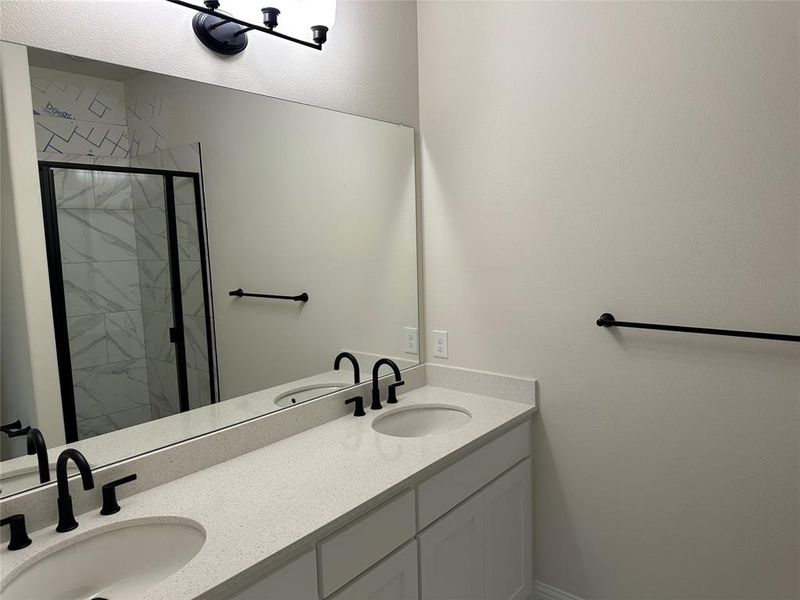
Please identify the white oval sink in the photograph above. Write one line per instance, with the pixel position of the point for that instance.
(309, 392)
(421, 420)
(114, 564)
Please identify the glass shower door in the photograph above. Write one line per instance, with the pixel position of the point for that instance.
(113, 298)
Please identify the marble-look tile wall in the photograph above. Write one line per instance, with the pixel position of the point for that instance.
(99, 258)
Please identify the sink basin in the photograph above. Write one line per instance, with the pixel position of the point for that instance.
(26, 478)
(309, 392)
(114, 564)
(421, 420)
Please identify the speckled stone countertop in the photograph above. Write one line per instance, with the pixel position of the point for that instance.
(260, 508)
(130, 441)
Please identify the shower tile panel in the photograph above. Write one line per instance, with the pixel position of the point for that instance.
(151, 234)
(154, 273)
(112, 190)
(73, 188)
(96, 235)
(110, 388)
(182, 158)
(188, 241)
(125, 332)
(156, 336)
(194, 329)
(157, 299)
(163, 386)
(147, 191)
(100, 287)
(192, 287)
(87, 341)
(184, 191)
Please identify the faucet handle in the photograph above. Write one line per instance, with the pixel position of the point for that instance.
(19, 535)
(14, 429)
(392, 399)
(359, 402)
(110, 504)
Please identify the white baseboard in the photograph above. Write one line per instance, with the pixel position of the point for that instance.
(542, 591)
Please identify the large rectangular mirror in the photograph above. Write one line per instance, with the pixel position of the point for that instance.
(201, 256)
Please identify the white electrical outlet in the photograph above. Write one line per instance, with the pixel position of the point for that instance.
(439, 343)
(411, 344)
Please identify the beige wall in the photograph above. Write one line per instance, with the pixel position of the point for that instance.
(642, 159)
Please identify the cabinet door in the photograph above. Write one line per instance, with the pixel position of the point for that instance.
(393, 579)
(507, 516)
(297, 580)
(451, 555)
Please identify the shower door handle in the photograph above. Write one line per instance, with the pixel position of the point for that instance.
(173, 335)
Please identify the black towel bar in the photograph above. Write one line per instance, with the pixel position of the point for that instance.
(299, 298)
(608, 320)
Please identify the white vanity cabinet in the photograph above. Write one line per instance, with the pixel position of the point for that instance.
(451, 554)
(482, 549)
(464, 533)
(395, 578)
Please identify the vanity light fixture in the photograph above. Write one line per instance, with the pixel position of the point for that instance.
(226, 34)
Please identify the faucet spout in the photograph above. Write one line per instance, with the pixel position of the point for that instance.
(352, 359)
(376, 392)
(66, 516)
(37, 446)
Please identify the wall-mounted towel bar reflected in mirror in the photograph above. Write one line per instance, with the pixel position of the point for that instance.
(240, 293)
(608, 320)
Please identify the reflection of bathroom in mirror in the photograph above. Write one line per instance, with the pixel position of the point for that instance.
(152, 200)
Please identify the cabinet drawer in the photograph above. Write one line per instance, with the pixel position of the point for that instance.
(460, 480)
(395, 578)
(354, 549)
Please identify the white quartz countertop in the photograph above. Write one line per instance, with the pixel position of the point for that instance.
(259, 508)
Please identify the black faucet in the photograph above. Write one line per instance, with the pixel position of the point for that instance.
(66, 517)
(352, 359)
(376, 392)
(37, 446)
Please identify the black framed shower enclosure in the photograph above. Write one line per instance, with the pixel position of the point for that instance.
(176, 334)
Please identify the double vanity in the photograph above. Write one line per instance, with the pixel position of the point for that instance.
(425, 498)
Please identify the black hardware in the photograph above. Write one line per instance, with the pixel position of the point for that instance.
(270, 17)
(225, 34)
(352, 359)
(239, 294)
(66, 516)
(37, 446)
(392, 399)
(14, 429)
(110, 504)
(376, 392)
(19, 535)
(608, 320)
(359, 402)
(319, 33)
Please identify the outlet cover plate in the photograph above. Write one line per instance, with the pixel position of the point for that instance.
(439, 343)
(410, 340)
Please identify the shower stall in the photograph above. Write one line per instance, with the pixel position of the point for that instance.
(130, 288)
